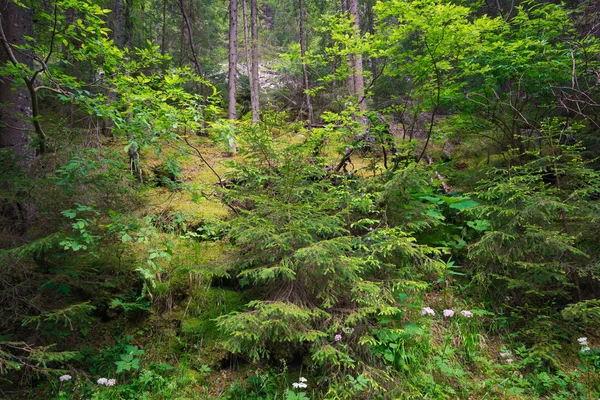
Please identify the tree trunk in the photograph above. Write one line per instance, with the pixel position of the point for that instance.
(120, 27)
(255, 83)
(163, 42)
(371, 30)
(233, 54)
(304, 69)
(359, 82)
(16, 110)
(118, 23)
(190, 31)
(349, 58)
(195, 59)
(182, 46)
(122, 37)
(247, 49)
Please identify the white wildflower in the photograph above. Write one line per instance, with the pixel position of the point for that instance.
(65, 378)
(337, 337)
(448, 313)
(302, 379)
(102, 381)
(302, 385)
(295, 385)
(466, 313)
(111, 382)
(583, 341)
(507, 353)
(585, 349)
(509, 360)
(427, 311)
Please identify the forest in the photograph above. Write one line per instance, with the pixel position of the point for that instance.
(299, 199)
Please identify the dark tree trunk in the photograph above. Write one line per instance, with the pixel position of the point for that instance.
(121, 31)
(16, 110)
(121, 34)
(121, 23)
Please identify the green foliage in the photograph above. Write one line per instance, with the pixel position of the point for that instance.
(529, 249)
(129, 359)
(74, 317)
(41, 360)
(323, 264)
(299, 231)
(586, 312)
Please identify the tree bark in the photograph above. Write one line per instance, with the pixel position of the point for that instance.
(359, 82)
(121, 23)
(349, 57)
(304, 68)
(16, 113)
(371, 30)
(16, 110)
(121, 35)
(163, 41)
(247, 49)
(233, 54)
(254, 93)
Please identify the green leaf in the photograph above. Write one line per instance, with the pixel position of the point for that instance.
(480, 225)
(464, 205)
(412, 329)
(70, 213)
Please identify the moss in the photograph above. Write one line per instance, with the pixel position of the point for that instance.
(213, 355)
(205, 306)
(219, 301)
(194, 263)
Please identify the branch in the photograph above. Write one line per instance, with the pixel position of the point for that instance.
(185, 138)
(372, 83)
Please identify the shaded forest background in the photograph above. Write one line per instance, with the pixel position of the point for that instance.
(299, 199)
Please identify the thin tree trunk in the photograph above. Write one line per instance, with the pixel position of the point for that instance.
(371, 30)
(190, 32)
(359, 82)
(247, 48)
(163, 44)
(349, 58)
(233, 54)
(122, 39)
(120, 35)
(197, 66)
(255, 82)
(304, 68)
(182, 47)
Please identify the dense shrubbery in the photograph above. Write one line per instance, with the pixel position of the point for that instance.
(332, 261)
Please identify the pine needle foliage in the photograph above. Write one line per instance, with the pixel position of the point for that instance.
(321, 258)
(539, 251)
